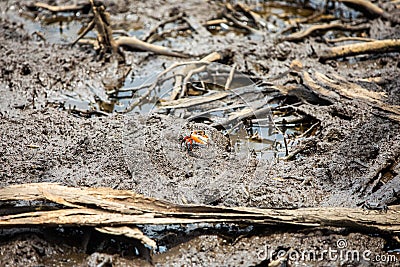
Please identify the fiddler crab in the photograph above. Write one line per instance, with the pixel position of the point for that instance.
(197, 137)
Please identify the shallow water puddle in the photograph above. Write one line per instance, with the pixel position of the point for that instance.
(55, 29)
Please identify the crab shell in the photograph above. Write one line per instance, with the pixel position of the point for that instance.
(199, 138)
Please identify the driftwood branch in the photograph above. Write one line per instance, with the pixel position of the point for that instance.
(66, 8)
(350, 38)
(189, 102)
(380, 46)
(135, 43)
(299, 36)
(369, 9)
(107, 207)
(237, 22)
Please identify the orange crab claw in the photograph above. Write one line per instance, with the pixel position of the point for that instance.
(201, 139)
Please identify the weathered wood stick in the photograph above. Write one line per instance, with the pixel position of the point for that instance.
(365, 7)
(55, 9)
(161, 24)
(370, 10)
(180, 86)
(135, 43)
(298, 36)
(108, 207)
(189, 102)
(380, 46)
(350, 38)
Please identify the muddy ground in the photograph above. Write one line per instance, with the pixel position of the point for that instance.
(43, 140)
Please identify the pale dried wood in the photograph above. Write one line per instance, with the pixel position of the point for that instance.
(349, 38)
(230, 77)
(298, 36)
(55, 9)
(379, 46)
(370, 10)
(180, 83)
(189, 102)
(135, 43)
(110, 207)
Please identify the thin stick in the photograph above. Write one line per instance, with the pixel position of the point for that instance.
(178, 86)
(135, 43)
(284, 140)
(215, 22)
(189, 102)
(379, 46)
(369, 9)
(316, 17)
(198, 27)
(188, 77)
(89, 27)
(310, 130)
(55, 9)
(298, 36)
(345, 39)
(230, 77)
(137, 88)
(241, 24)
(253, 15)
(161, 24)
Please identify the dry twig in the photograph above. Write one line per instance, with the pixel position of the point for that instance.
(378, 46)
(298, 36)
(350, 38)
(55, 9)
(180, 86)
(230, 77)
(135, 43)
(369, 9)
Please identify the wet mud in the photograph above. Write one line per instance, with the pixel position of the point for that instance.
(59, 124)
